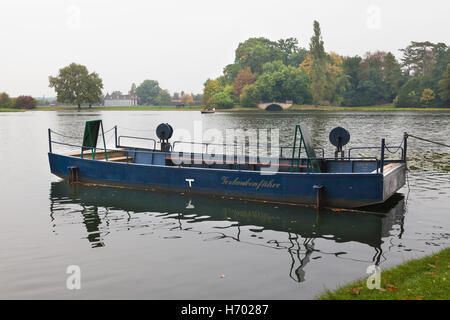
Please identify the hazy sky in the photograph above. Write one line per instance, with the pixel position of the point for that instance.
(182, 43)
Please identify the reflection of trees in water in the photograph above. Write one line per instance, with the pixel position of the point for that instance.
(296, 229)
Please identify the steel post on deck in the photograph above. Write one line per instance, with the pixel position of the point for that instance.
(383, 145)
(115, 135)
(319, 191)
(405, 146)
(49, 140)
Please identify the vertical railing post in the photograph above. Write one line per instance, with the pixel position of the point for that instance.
(383, 144)
(405, 146)
(115, 135)
(49, 140)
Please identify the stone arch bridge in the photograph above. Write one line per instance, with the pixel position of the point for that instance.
(275, 106)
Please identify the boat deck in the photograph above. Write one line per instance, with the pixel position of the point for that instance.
(155, 157)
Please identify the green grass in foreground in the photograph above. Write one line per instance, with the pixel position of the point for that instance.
(421, 279)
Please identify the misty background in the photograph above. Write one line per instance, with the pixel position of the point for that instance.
(182, 43)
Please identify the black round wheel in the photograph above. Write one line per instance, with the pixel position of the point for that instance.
(339, 137)
(164, 131)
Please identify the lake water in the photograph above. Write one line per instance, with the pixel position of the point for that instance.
(144, 245)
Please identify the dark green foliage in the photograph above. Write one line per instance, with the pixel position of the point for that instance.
(148, 91)
(6, 101)
(375, 79)
(285, 71)
(279, 82)
(318, 65)
(25, 102)
(75, 85)
(411, 92)
(255, 52)
(444, 87)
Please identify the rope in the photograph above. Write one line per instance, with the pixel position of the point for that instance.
(143, 130)
(396, 150)
(419, 138)
(73, 137)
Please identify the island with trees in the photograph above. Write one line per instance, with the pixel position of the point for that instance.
(278, 71)
(265, 70)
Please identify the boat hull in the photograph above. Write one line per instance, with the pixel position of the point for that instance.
(340, 190)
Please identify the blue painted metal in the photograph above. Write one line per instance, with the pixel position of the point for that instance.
(343, 190)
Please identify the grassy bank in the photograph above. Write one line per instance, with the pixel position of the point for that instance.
(421, 279)
(234, 109)
(11, 110)
(137, 108)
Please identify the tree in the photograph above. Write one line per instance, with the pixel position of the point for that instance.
(318, 65)
(94, 89)
(75, 85)
(292, 54)
(392, 76)
(407, 96)
(427, 96)
(279, 82)
(133, 89)
(255, 52)
(243, 78)
(250, 96)
(231, 71)
(419, 57)
(163, 98)
(444, 86)
(187, 99)
(352, 69)
(5, 100)
(25, 102)
(211, 87)
(148, 91)
(223, 98)
(336, 81)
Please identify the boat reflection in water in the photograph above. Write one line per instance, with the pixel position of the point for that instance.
(296, 227)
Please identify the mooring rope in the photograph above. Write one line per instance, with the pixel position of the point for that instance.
(396, 150)
(78, 137)
(132, 129)
(423, 139)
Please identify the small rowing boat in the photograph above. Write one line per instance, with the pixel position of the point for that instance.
(209, 110)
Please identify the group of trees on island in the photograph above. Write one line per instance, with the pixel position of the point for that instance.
(21, 102)
(75, 85)
(150, 93)
(266, 70)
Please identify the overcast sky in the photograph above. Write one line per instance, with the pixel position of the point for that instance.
(182, 43)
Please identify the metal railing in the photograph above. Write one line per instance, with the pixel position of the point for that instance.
(379, 148)
(379, 162)
(118, 145)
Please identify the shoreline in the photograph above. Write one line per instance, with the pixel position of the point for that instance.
(234, 109)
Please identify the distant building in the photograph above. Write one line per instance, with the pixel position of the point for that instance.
(117, 99)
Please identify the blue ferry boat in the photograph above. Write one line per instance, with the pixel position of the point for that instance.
(301, 177)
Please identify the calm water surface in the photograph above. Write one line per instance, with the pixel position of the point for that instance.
(144, 245)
